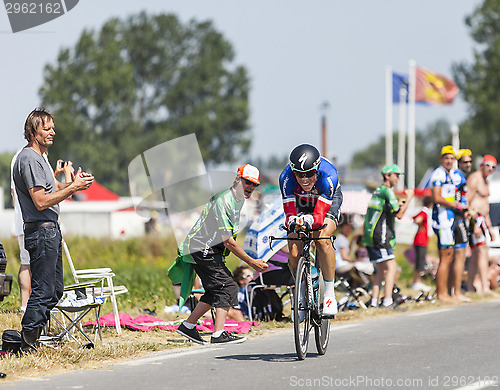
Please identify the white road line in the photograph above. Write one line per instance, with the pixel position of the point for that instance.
(426, 313)
(154, 359)
(479, 385)
(342, 327)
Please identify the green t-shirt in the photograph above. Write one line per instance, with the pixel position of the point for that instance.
(379, 220)
(220, 216)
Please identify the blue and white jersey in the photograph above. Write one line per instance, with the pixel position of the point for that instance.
(460, 182)
(320, 197)
(442, 217)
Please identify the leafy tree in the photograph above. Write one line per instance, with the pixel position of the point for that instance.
(479, 82)
(142, 81)
(428, 145)
(5, 160)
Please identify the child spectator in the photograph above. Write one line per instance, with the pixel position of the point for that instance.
(242, 275)
(420, 243)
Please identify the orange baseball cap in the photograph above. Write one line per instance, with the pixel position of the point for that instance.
(249, 172)
(488, 158)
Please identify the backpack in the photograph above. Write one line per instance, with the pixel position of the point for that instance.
(267, 306)
(11, 341)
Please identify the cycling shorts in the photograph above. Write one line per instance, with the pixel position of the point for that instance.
(379, 255)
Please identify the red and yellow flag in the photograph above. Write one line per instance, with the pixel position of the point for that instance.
(434, 88)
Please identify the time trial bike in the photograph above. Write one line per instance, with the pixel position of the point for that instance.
(309, 280)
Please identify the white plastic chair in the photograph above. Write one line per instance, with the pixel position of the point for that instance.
(108, 290)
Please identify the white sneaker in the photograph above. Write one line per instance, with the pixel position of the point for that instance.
(329, 306)
(420, 287)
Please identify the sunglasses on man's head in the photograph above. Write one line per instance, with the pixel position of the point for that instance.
(250, 183)
(305, 174)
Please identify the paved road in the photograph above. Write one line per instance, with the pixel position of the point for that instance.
(450, 348)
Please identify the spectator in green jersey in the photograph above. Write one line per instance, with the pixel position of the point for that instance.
(379, 233)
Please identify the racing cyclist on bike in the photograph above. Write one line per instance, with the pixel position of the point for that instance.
(312, 197)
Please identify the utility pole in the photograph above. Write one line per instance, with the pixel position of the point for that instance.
(324, 144)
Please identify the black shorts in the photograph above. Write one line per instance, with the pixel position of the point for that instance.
(221, 290)
(420, 252)
(460, 232)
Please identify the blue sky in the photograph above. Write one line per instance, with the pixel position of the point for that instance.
(298, 54)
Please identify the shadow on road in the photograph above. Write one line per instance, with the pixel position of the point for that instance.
(268, 357)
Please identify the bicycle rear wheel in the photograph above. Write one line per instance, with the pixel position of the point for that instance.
(321, 330)
(301, 328)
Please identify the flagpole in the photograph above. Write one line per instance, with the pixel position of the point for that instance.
(402, 134)
(411, 124)
(388, 115)
(455, 141)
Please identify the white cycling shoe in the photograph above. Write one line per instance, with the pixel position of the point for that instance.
(329, 306)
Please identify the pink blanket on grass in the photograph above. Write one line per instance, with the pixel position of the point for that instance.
(146, 322)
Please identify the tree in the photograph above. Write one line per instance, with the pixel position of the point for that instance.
(142, 81)
(428, 145)
(479, 82)
(5, 160)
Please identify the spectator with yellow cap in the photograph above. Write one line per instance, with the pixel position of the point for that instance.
(464, 158)
(443, 184)
(205, 248)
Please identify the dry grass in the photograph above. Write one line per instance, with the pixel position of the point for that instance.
(134, 344)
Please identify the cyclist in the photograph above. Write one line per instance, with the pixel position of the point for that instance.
(312, 197)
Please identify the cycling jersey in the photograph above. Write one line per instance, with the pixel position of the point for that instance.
(461, 191)
(220, 217)
(324, 198)
(442, 217)
(379, 219)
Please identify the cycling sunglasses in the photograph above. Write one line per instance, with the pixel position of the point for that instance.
(250, 183)
(307, 174)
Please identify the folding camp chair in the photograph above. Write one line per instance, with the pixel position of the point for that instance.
(282, 282)
(107, 290)
(79, 300)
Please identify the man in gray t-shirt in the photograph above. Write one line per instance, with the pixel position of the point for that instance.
(39, 199)
(32, 170)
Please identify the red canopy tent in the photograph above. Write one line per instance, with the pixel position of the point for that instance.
(97, 192)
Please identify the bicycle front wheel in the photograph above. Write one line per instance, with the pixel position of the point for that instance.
(301, 313)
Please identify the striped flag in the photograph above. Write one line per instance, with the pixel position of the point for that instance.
(434, 88)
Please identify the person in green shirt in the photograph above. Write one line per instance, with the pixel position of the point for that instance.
(379, 233)
(210, 240)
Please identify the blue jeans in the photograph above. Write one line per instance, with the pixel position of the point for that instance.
(44, 245)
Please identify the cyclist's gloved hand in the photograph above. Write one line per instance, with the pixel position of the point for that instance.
(308, 220)
(292, 223)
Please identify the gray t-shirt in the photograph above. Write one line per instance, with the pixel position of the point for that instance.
(32, 170)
